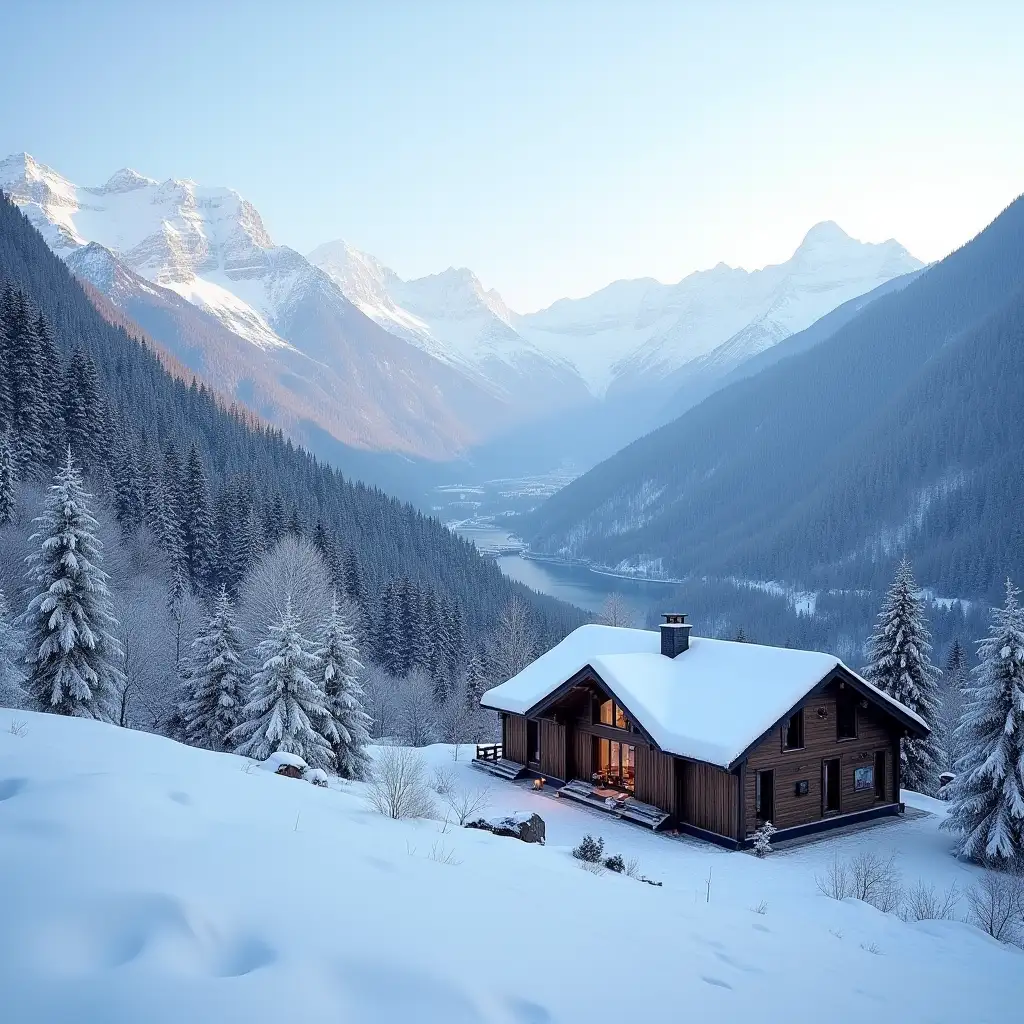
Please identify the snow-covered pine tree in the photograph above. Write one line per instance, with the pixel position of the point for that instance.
(987, 795)
(340, 666)
(952, 686)
(7, 504)
(197, 522)
(899, 665)
(215, 680)
(476, 682)
(50, 381)
(27, 412)
(73, 656)
(12, 659)
(287, 708)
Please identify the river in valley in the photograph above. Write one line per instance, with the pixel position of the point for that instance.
(573, 583)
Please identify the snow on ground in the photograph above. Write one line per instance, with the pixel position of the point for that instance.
(144, 880)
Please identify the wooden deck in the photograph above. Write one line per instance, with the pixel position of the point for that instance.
(489, 758)
(619, 804)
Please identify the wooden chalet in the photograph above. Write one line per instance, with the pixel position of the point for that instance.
(710, 737)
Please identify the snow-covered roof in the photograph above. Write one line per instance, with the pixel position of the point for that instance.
(708, 703)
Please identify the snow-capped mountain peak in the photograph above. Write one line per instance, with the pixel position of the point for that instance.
(125, 180)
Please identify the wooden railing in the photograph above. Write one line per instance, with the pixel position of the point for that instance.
(488, 751)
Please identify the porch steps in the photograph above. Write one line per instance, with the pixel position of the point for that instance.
(630, 808)
(503, 767)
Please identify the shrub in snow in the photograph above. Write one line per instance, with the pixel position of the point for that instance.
(925, 903)
(287, 708)
(763, 839)
(214, 681)
(595, 867)
(74, 660)
(398, 784)
(868, 877)
(996, 905)
(987, 795)
(900, 666)
(465, 803)
(340, 667)
(317, 777)
(615, 863)
(442, 780)
(590, 850)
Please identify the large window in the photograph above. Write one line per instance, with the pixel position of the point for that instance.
(793, 732)
(846, 715)
(615, 764)
(610, 713)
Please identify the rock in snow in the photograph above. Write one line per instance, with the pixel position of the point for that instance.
(524, 825)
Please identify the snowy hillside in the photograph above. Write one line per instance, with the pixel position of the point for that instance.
(149, 881)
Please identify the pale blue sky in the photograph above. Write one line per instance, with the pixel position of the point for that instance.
(552, 147)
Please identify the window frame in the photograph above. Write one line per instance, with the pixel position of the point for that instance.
(850, 699)
(618, 712)
(799, 713)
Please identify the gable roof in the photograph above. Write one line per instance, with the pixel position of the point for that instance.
(709, 703)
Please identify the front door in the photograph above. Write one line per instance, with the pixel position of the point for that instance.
(831, 786)
(764, 796)
(532, 741)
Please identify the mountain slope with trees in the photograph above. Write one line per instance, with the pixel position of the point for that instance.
(209, 481)
(900, 432)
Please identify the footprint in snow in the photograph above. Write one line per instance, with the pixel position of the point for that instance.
(717, 982)
(738, 964)
(181, 798)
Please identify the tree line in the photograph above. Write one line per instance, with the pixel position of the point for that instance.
(976, 719)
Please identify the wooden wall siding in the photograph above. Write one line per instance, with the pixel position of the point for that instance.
(515, 738)
(710, 798)
(553, 749)
(582, 766)
(874, 732)
(656, 779)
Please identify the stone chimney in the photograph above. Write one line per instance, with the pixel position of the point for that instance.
(675, 634)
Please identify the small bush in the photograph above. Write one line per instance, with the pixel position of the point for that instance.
(398, 786)
(872, 948)
(19, 727)
(615, 863)
(595, 867)
(466, 804)
(590, 850)
(442, 780)
(996, 905)
(763, 839)
(835, 883)
(924, 903)
(633, 868)
(761, 908)
(867, 877)
(440, 854)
